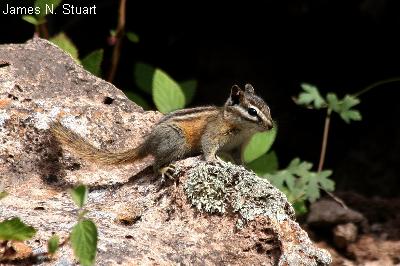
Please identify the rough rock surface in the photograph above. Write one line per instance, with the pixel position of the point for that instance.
(327, 212)
(140, 219)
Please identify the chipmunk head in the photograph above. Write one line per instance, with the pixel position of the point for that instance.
(247, 109)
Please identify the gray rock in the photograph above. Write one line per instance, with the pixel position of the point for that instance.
(344, 234)
(140, 220)
(327, 212)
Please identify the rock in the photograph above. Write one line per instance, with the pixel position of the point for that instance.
(344, 234)
(369, 250)
(140, 219)
(329, 213)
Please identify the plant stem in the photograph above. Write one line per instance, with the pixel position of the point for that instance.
(119, 33)
(376, 84)
(43, 31)
(324, 140)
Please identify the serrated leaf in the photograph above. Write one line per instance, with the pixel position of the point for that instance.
(167, 94)
(189, 89)
(133, 37)
(294, 163)
(144, 74)
(46, 6)
(3, 194)
(15, 229)
(52, 244)
(349, 115)
(79, 195)
(343, 107)
(312, 190)
(31, 19)
(302, 169)
(84, 242)
(92, 62)
(333, 102)
(139, 100)
(259, 144)
(277, 179)
(65, 43)
(310, 95)
(349, 102)
(324, 182)
(265, 164)
(299, 182)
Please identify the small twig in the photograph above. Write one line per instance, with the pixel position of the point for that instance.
(119, 33)
(324, 140)
(43, 31)
(376, 84)
(335, 198)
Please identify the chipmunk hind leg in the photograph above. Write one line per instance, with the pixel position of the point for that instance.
(167, 145)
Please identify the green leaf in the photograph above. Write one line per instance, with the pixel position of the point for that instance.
(113, 33)
(312, 188)
(324, 182)
(349, 115)
(349, 102)
(265, 164)
(139, 100)
(298, 182)
(313, 181)
(344, 107)
(259, 144)
(300, 168)
(84, 241)
(333, 102)
(31, 19)
(189, 89)
(46, 6)
(144, 74)
(310, 95)
(52, 244)
(92, 62)
(133, 37)
(79, 195)
(62, 41)
(14, 229)
(167, 94)
(3, 194)
(300, 207)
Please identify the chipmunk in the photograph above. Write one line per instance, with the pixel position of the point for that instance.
(186, 132)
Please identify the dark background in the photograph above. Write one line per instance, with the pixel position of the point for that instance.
(338, 45)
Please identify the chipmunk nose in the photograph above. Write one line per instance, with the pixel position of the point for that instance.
(268, 124)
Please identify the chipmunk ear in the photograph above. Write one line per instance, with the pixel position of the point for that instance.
(249, 89)
(236, 93)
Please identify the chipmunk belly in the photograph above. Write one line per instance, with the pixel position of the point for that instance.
(193, 131)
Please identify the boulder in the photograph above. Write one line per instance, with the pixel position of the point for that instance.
(140, 219)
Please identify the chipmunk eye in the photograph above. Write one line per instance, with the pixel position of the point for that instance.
(252, 111)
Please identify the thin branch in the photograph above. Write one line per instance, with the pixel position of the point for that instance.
(324, 140)
(43, 31)
(119, 34)
(338, 200)
(376, 84)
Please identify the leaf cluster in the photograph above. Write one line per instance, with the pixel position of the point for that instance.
(311, 97)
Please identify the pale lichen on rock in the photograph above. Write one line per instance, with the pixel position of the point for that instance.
(218, 187)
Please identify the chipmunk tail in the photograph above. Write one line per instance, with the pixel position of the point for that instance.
(79, 146)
